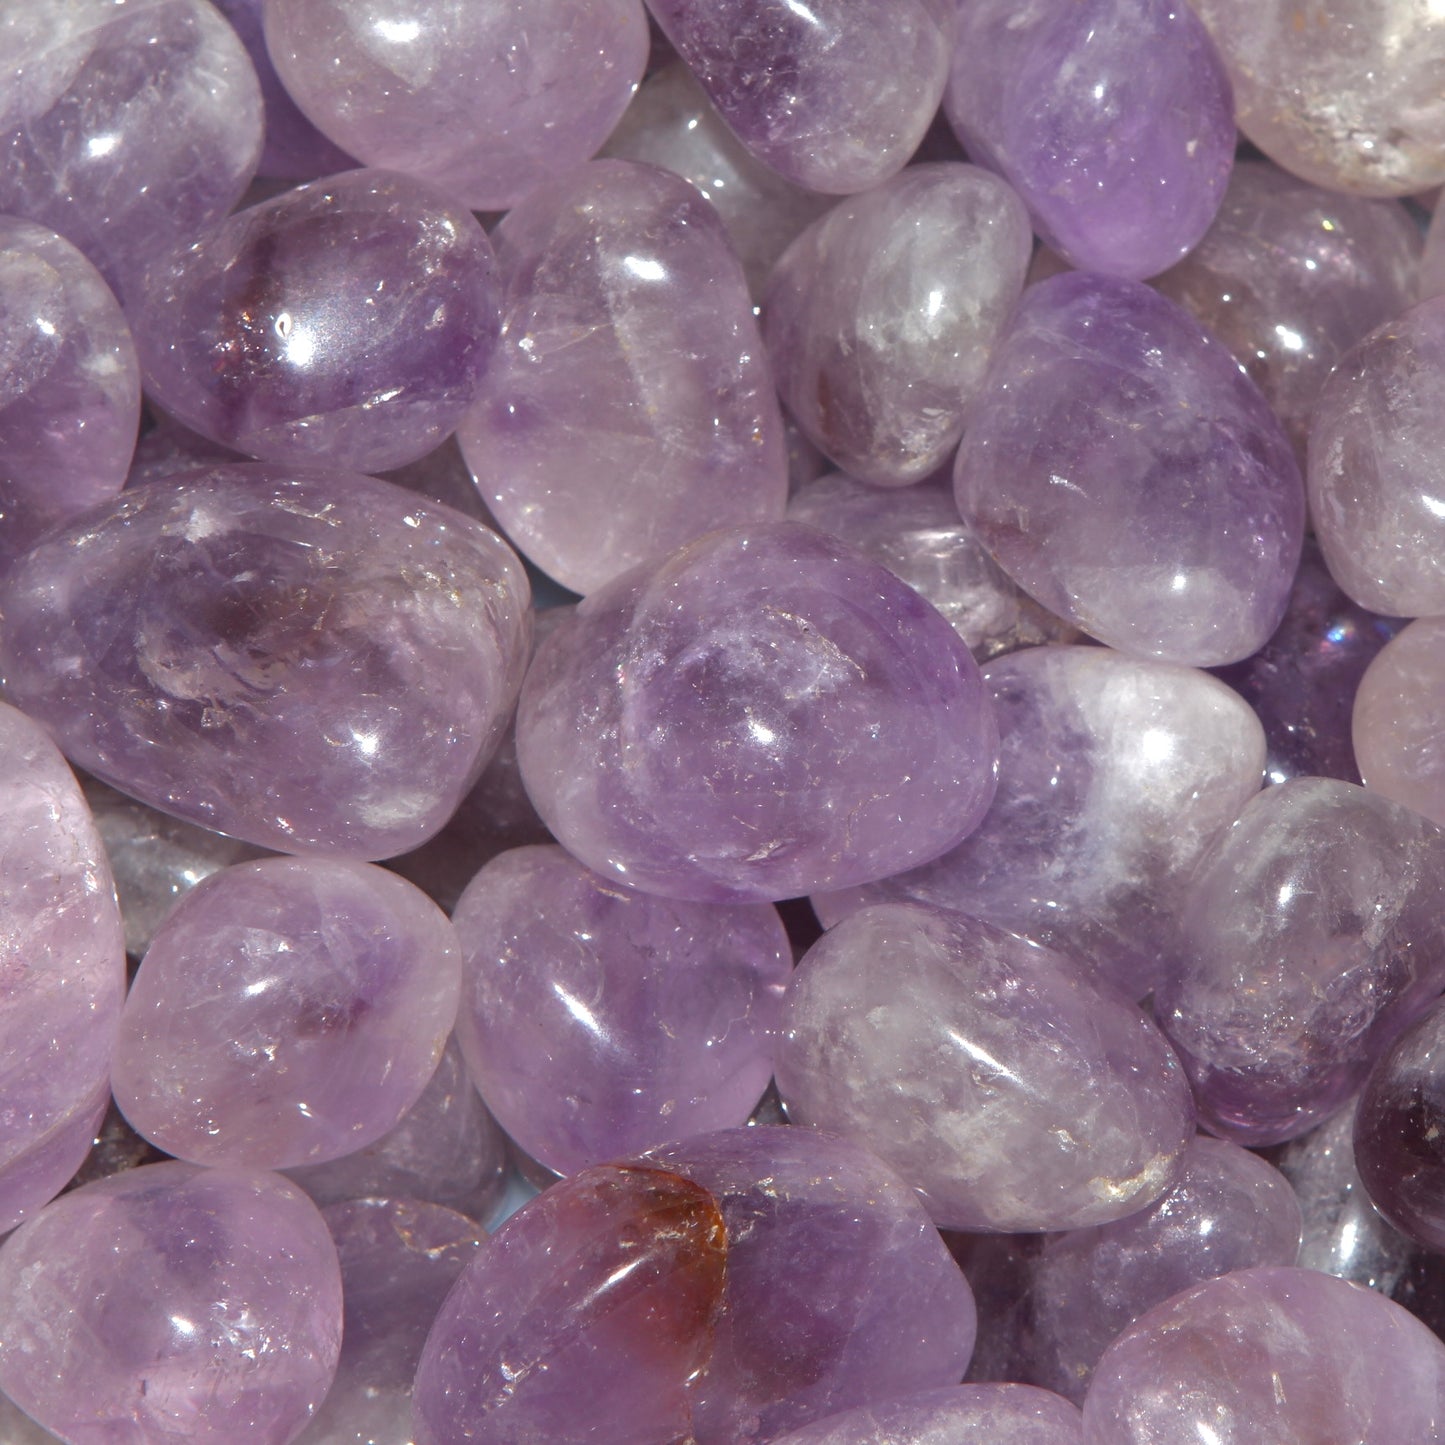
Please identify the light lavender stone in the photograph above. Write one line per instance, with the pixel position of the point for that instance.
(598, 1022)
(128, 128)
(671, 123)
(1314, 932)
(880, 317)
(835, 96)
(945, 1045)
(1432, 260)
(62, 962)
(628, 407)
(1115, 775)
(958, 1415)
(69, 384)
(916, 533)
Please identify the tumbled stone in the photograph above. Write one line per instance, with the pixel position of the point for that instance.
(1290, 277)
(1376, 472)
(1314, 931)
(835, 96)
(598, 1022)
(1395, 723)
(399, 1257)
(1432, 259)
(172, 1299)
(62, 962)
(945, 1045)
(288, 1011)
(958, 1415)
(1301, 683)
(1270, 1357)
(1113, 119)
(916, 533)
(69, 385)
(1115, 775)
(483, 97)
(126, 128)
(347, 322)
(1346, 95)
(671, 123)
(764, 714)
(307, 660)
(880, 317)
(1126, 474)
(629, 407)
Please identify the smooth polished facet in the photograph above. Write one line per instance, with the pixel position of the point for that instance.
(958, 1415)
(1395, 723)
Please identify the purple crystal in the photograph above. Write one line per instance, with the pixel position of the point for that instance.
(1290, 277)
(1314, 931)
(63, 969)
(598, 1022)
(1115, 775)
(485, 98)
(126, 128)
(1112, 118)
(628, 408)
(1270, 1357)
(69, 385)
(946, 1045)
(763, 715)
(957, 1415)
(880, 317)
(288, 1011)
(309, 660)
(1126, 474)
(169, 1303)
(347, 322)
(834, 95)
(916, 533)
(1395, 721)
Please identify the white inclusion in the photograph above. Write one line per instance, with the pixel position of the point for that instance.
(935, 302)
(644, 268)
(366, 742)
(1291, 340)
(255, 990)
(1283, 896)
(182, 1325)
(399, 32)
(101, 145)
(1099, 92)
(1179, 581)
(1156, 745)
(1435, 506)
(761, 732)
(44, 326)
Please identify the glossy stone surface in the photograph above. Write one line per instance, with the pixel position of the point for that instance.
(1301, 683)
(62, 971)
(671, 123)
(484, 97)
(1313, 934)
(944, 1045)
(1398, 1131)
(446, 1150)
(1112, 118)
(288, 1011)
(599, 1022)
(833, 96)
(1290, 277)
(1397, 739)
(127, 128)
(347, 322)
(398, 1259)
(629, 407)
(958, 1415)
(1346, 95)
(1270, 1357)
(763, 715)
(69, 385)
(172, 1302)
(1227, 1210)
(308, 660)
(916, 533)
(1124, 473)
(1432, 260)
(17, 1428)
(1375, 467)
(880, 317)
(1115, 774)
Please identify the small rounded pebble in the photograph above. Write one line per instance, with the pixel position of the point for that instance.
(1394, 726)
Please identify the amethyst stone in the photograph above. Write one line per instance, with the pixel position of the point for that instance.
(1113, 119)
(957, 1415)
(312, 661)
(764, 714)
(347, 322)
(1126, 474)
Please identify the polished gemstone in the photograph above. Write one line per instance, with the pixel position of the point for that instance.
(958, 1415)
